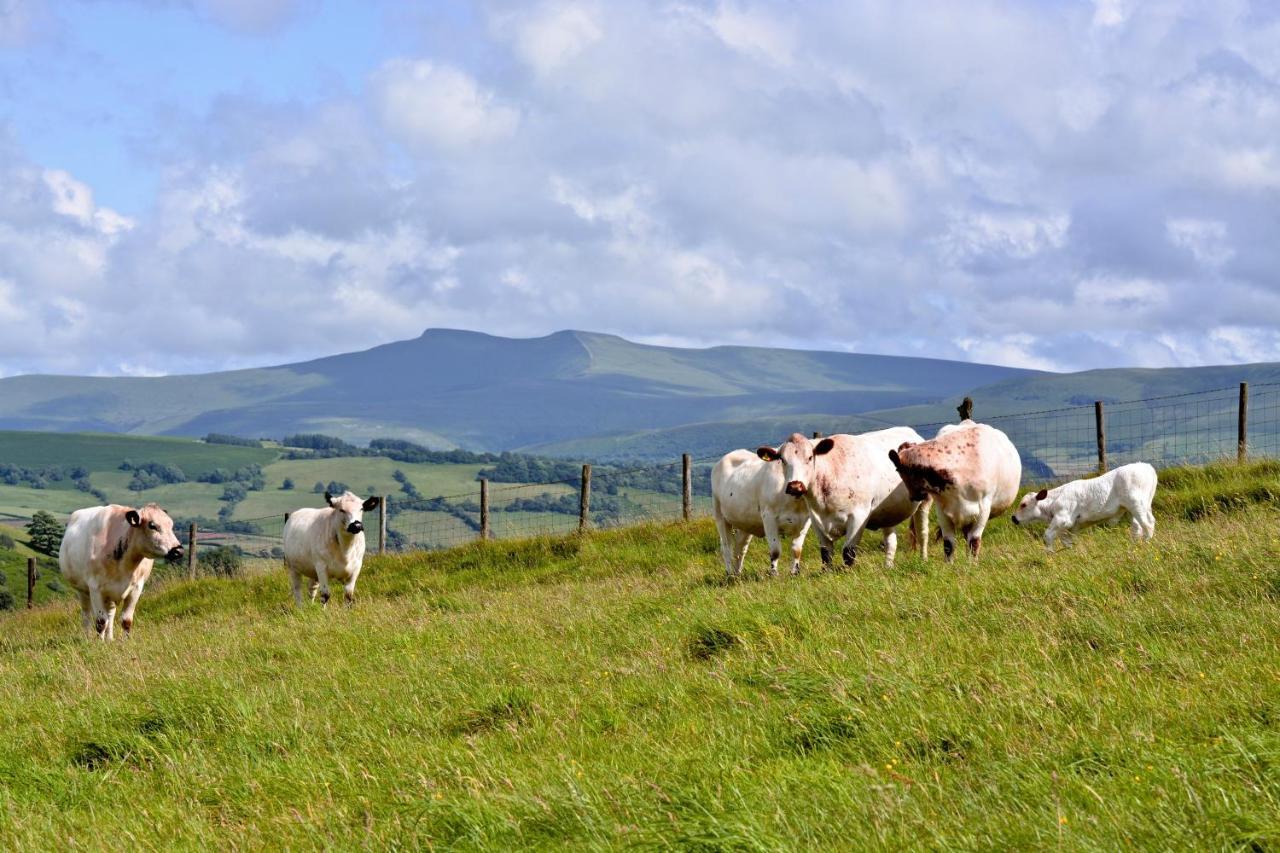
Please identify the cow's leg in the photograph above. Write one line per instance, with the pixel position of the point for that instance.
(774, 539)
(86, 611)
(727, 540)
(130, 604)
(890, 546)
(295, 585)
(948, 536)
(1135, 528)
(313, 590)
(349, 589)
(1148, 522)
(99, 612)
(854, 527)
(322, 583)
(797, 547)
(975, 532)
(826, 547)
(741, 539)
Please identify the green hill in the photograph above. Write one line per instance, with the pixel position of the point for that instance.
(454, 388)
(1179, 415)
(610, 690)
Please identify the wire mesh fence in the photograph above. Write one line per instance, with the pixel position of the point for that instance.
(1055, 445)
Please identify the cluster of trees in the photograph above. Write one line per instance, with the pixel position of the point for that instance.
(407, 451)
(333, 487)
(148, 475)
(603, 507)
(235, 440)
(250, 475)
(40, 478)
(410, 490)
(519, 468)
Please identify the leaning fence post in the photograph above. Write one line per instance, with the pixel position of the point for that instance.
(191, 551)
(686, 490)
(31, 582)
(584, 500)
(817, 434)
(382, 526)
(965, 409)
(1102, 436)
(484, 510)
(1242, 428)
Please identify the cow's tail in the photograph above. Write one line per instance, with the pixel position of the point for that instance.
(920, 527)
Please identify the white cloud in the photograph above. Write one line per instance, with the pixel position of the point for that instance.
(550, 35)
(429, 105)
(1205, 239)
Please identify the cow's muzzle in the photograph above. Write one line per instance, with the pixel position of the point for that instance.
(355, 527)
(796, 489)
(175, 554)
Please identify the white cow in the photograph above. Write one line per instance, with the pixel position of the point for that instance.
(1084, 503)
(106, 556)
(972, 470)
(850, 487)
(749, 498)
(326, 544)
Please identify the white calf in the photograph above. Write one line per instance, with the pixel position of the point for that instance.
(1084, 503)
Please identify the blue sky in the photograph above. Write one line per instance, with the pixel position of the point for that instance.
(201, 184)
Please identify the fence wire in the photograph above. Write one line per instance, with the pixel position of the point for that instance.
(1054, 444)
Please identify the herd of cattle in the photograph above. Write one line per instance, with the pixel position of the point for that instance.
(844, 485)
(841, 485)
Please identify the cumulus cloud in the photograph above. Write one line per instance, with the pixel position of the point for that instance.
(427, 105)
(1057, 185)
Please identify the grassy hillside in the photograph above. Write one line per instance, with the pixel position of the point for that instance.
(611, 690)
(454, 388)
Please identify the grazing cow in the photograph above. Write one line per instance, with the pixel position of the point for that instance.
(850, 487)
(749, 498)
(326, 544)
(1084, 503)
(973, 472)
(106, 556)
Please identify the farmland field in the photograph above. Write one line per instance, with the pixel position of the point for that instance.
(612, 690)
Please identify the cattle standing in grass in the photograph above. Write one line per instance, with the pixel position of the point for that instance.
(106, 556)
(850, 487)
(326, 544)
(1084, 503)
(972, 470)
(749, 498)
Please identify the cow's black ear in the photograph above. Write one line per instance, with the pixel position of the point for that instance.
(371, 503)
(895, 459)
(824, 446)
(328, 499)
(1042, 494)
(133, 518)
(768, 454)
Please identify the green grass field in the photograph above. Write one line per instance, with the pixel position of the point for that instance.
(611, 690)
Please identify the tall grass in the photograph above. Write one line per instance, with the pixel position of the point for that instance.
(613, 690)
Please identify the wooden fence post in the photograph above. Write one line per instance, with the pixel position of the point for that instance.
(584, 500)
(965, 409)
(817, 434)
(484, 510)
(1242, 428)
(1102, 436)
(31, 582)
(686, 491)
(382, 526)
(191, 551)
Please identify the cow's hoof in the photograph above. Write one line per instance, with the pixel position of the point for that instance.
(826, 556)
(948, 549)
(127, 625)
(849, 554)
(100, 624)
(324, 598)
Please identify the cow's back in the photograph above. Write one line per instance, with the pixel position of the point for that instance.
(858, 470)
(1002, 465)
